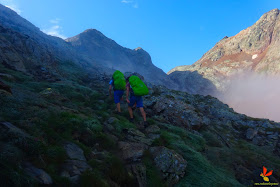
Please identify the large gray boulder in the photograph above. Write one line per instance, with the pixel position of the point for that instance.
(72, 169)
(132, 151)
(38, 174)
(171, 164)
(74, 152)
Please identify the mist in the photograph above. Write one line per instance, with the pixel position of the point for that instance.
(254, 95)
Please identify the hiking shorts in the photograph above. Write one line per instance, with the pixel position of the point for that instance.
(118, 95)
(136, 99)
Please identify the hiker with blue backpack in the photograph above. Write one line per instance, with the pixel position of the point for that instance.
(118, 85)
(136, 88)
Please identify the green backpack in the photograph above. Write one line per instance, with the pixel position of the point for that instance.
(138, 86)
(119, 80)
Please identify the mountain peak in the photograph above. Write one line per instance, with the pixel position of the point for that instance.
(255, 48)
(138, 48)
(93, 32)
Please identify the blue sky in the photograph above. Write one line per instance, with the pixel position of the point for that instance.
(174, 32)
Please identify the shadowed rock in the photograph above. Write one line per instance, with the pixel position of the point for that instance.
(171, 164)
(74, 152)
(38, 174)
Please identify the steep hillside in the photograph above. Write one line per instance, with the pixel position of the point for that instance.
(37, 42)
(98, 49)
(255, 49)
(65, 133)
(90, 49)
(58, 126)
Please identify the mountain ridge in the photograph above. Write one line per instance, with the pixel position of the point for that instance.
(252, 49)
(98, 48)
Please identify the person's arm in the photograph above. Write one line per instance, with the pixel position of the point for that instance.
(110, 90)
(127, 94)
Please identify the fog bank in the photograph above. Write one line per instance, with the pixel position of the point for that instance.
(254, 95)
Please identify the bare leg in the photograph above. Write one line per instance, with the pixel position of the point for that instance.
(143, 113)
(119, 107)
(130, 112)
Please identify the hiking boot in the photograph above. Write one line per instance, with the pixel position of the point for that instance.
(131, 120)
(146, 124)
(117, 112)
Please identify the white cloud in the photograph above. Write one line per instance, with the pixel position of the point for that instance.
(55, 21)
(133, 2)
(55, 29)
(126, 1)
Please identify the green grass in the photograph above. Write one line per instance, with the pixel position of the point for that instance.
(73, 110)
(153, 174)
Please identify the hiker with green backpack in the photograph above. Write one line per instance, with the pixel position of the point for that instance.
(136, 88)
(118, 85)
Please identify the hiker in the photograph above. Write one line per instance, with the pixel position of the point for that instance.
(136, 88)
(118, 85)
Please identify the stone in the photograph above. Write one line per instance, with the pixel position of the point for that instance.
(251, 133)
(171, 164)
(108, 127)
(139, 171)
(112, 120)
(38, 174)
(153, 129)
(137, 136)
(273, 136)
(72, 168)
(74, 152)
(8, 128)
(132, 151)
(258, 140)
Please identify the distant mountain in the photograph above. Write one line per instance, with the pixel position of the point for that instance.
(255, 49)
(98, 49)
(25, 48)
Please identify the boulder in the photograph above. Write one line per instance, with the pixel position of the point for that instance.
(108, 127)
(38, 174)
(74, 152)
(251, 133)
(112, 120)
(72, 169)
(139, 171)
(7, 128)
(153, 129)
(153, 132)
(132, 151)
(137, 136)
(171, 164)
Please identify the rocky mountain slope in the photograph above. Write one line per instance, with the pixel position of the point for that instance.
(255, 49)
(30, 42)
(65, 133)
(26, 48)
(58, 126)
(98, 49)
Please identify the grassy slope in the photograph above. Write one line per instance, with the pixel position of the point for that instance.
(55, 112)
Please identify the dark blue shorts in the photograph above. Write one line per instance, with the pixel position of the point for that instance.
(136, 99)
(118, 95)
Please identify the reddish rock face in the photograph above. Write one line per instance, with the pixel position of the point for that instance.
(253, 49)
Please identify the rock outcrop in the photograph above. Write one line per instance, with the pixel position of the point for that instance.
(255, 49)
(171, 164)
